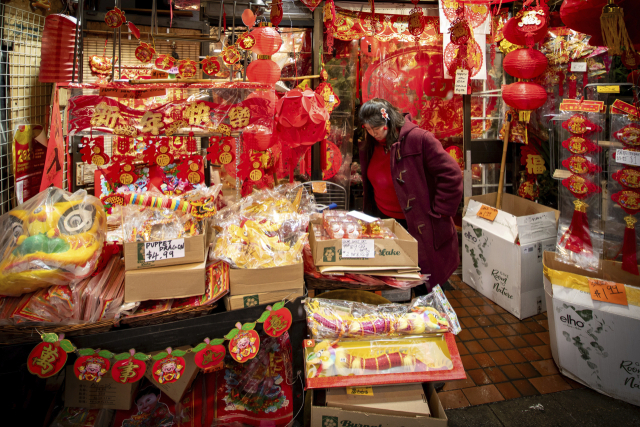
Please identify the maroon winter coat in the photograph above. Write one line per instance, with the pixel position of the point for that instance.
(428, 183)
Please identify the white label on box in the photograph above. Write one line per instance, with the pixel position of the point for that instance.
(362, 216)
(462, 79)
(627, 157)
(533, 228)
(163, 249)
(358, 248)
(578, 67)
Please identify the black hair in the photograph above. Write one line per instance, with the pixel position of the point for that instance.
(370, 114)
(150, 389)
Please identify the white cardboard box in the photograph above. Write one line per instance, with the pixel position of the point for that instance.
(503, 259)
(593, 342)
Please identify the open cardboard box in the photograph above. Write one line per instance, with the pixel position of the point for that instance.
(174, 281)
(594, 342)
(503, 259)
(323, 415)
(106, 394)
(400, 252)
(260, 280)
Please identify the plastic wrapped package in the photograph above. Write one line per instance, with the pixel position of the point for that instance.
(337, 319)
(83, 417)
(380, 361)
(7, 307)
(262, 230)
(55, 238)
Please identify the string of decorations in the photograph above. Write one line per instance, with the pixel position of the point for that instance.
(50, 356)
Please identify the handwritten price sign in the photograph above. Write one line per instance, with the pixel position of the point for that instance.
(360, 391)
(602, 290)
(358, 248)
(487, 213)
(627, 157)
(163, 249)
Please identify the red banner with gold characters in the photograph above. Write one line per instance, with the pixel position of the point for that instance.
(101, 113)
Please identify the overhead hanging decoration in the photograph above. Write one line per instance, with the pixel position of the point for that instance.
(246, 41)
(230, 55)
(145, 52)
(210, 66)
(529, 26)
(93, 151)
(170, 367)
(211, 357)
(129, 368)
(50, 356)
(92, 366)
(165, 62)
(115, 18)
(614, 30)
(276, 13)
(187, 68)
(416, 21)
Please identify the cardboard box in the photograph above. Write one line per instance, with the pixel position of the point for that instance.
(323, 416)
(176, 390)
(503, 259)
(243, 301)
(594, 342)
(260, 280)
(400, 252)
(407, 400)
(106, 394)
(194, 252)
(175, 281)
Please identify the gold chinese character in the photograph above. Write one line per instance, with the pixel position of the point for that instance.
(278, 324)
(152, 122)
(127, 371)
(47, 358)
(197, 112)
(104, 115)
(239, 117)
(535, 164)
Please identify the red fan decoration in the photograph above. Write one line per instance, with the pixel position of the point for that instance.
(210, 66)
(629, 135)
(629, 201)
(577, 237)
(165, 62)
(115, 18)
(93, 151)
(144, 52)
(580, 145)
(580, 165)
(301, 118)
(187, 68)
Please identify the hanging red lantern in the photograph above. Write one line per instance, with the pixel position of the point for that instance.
(525, 63)
(524, 96)
(416, 23)
(268, 40)
(528, 26)
(263, 70)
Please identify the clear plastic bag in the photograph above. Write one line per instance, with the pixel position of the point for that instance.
(55, 238)
(337, 319)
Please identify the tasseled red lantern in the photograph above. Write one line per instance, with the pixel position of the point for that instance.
(525, 63)
(263, 70)
(524, 96)
(268, 41)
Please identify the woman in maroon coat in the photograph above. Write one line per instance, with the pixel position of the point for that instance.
(408, 176)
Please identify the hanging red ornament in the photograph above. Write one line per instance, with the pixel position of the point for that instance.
(629, 201)
(210, 66)
(276, 13)
(524, 96)
(122, 173)
(580, 165)
(144, 52)
(268, 40)
(311, 4)
(248, 18)
(331, 100)
(333, 161)
(246, 41)
(263, 70)
(168, 369)
(93, 151)
(187, 68)
(578, 124)
(416, 23)
(456, 153)
(529, 26)
(244, 342)
(629, 135)
(525, 63)
(529, 189)
(580, 145)
(279, 320)
(91, 368)
(115, 18)
(230, 55)
(163, 156)
(129, 370)
(134, 30)
(191, 170)
(211, 357)
(629, 178)
(50, 356)
(165, 62)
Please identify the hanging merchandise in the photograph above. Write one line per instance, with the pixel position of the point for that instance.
(210, 66)
(165, 62)
(129, 368)
(115, 18)
(231, 55)
(168, 366)
(267, 43)
(145, 52)
(331, 100)
(187, 68)
(49, 357)
(246, 41)
(248, 18)
(525, 96)
(333, 160)
(456, 153)
(101, 65)
(91, 367)
(93, 151)
(211, 357)
(529, 25)
(276, 13)
(477, 14)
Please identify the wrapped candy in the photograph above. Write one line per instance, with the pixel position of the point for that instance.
(55, 238)
(345, 319)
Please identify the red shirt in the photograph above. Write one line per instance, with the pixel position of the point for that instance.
(379, 174)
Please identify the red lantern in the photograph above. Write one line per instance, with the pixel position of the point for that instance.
(525, 63)
(268, 41)
(516, 35)
(524, 96)
(263, 71)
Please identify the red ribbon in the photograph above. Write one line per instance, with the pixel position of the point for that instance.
(629, 259)
(577, 235)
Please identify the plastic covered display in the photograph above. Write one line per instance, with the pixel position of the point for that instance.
(338, 319)
(53, 239)
(382, 361)
(263, 230)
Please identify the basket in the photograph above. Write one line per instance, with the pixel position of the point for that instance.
(16, 334)
(180, 313)
(328, 284)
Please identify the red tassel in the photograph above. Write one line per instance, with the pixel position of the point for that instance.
(224, 20)
(629, 259)
(573, 90)
(561, 83)
(577, 235)
(323, 155)
(308, 162)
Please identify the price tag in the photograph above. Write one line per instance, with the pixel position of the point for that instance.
(319, 186)
(628, 157)
(360, 391)
(358, 248)
(332, 98)
(163, 249)
(462, 80)
(173, 70)
(579, 67)
(488, 213)
(602, 290)
(608, 89)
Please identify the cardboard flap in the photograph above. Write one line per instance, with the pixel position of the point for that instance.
(533, 228)
(504, 226)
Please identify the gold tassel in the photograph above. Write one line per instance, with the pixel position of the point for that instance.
(614, 31)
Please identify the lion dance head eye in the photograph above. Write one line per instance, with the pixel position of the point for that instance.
(77, 219)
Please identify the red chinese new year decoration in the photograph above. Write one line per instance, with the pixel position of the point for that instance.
(144, 52)
(91, 368)
(211, 358)
(279, 321)
(629, 201)
(123, 173)
(263, 70)
(529, 189)
(169, 369)
(525, 63)
(191, 170)
(579, 165)
(456, 153)
(268, 40)
(580, 145)
(115, 18)
(231, 55)
(524, 96)
(629, 135)
(165, 62)
(129, 370)
(311, 4)
(276, 12)
(187, 68)
(210, 66)
(248, 18)
(528, 26)
(93, 151)
(244, 342)
(577, 238)
(100, 65)
(246, 41)
(629, 177)
(580, 125)
(49, 357)
(134, 30)
(333, 160)
(301, 118)
(331, 100)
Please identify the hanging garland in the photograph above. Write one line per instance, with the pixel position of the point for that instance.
(50, 356)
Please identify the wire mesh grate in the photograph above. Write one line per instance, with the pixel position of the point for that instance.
(23, 99)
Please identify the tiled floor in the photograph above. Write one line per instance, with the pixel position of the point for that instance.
(504, 357)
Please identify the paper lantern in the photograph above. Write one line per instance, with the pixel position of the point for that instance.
(263, 71)
(525, 63)
(514, 34)
(268, 41)
(524, 96)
